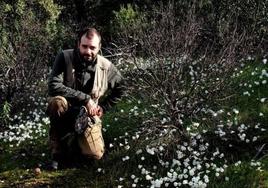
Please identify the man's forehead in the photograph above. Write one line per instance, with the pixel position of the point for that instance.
(90, 39)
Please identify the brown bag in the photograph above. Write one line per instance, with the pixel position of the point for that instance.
(91, 141)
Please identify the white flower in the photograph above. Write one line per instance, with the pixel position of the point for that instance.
(164, 120)
(148, 177)
(195, 124)
(175, 184)
(256, 83)
(259, 169)
(183, 148)
(199, 167)
(191, 172)
(125, 158)
(237, 163)
(235, 111)
(157, 183)
(206, 179)
(264, 61)
(263, 100)
(150, 151)
(161, 148)
(246, 93)
(264, 72)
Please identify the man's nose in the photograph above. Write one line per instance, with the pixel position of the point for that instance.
(88, 51)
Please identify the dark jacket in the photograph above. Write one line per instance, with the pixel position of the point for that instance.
(73, 79)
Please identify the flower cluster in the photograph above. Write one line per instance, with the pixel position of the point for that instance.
(27, 126)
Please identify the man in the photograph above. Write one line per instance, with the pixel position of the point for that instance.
(78, 85)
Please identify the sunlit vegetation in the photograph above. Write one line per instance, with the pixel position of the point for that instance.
(196, 109)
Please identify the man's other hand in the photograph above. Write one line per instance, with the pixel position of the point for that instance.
(93, 109)
(100, 111)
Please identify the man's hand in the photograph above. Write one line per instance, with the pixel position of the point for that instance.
(93, 109)
(99, 111)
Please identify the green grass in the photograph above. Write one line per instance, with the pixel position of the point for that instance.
(243, 175)
(250, 108)
(18, 164)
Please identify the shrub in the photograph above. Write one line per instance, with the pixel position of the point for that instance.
(127, 20)
(30, 36)
(27, 32)
(182, 72)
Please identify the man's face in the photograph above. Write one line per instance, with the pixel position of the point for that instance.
(89, 48)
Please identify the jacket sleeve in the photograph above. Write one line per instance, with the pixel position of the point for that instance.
(116, 88)
(56, 85)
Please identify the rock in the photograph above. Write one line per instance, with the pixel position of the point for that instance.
(37, 171)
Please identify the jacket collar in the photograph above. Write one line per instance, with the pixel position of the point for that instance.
(102, 62)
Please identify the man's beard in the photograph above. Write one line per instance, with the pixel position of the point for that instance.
(88, 58)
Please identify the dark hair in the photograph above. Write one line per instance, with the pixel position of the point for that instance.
(89, 32)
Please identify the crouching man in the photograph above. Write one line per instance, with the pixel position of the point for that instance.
(82, 86)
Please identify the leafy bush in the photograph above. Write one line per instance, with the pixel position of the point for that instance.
(182, 73)
(28, 32)
(127, 20)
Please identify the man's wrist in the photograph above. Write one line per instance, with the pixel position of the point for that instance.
(89, 102)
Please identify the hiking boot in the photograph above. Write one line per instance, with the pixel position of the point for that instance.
(54, 165)
(60, 161)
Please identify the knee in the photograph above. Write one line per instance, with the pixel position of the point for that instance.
(57, 106)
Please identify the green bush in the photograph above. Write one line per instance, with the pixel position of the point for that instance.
(27, 34)
(127, 21)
